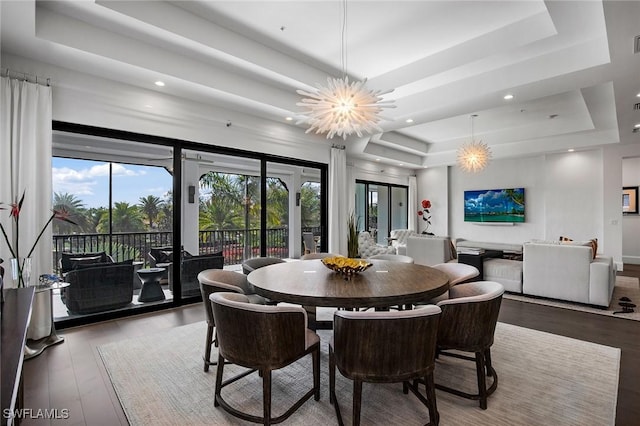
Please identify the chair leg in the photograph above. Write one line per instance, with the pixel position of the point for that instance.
(487, 360)
(207, 348)
(219, 372)
(332, 376)
(434, 416)
(316, 373)
(357, 402)
(266, 397)
(482, 385)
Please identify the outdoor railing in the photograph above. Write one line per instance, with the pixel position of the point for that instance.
(235, 244)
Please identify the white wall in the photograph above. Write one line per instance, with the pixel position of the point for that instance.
(83, 99)
(563, 196)
(631, 222)
(433, 184)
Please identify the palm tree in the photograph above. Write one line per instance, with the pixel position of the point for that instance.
(76, 210)
(150, 207)
(124, 217)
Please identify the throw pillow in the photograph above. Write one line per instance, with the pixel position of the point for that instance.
(76, 262)
(101, 264)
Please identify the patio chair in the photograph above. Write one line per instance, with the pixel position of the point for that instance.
(69, 261)
(385, 347)
(263, 338)
(468, 324)
(309, 242)
(218, 280)
(190, 267)
(98, 288)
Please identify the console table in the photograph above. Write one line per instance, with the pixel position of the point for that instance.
(16, 313)
(477, 260)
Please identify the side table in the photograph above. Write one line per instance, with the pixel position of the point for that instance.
(477, 260)
(34, 348)
(151, 290)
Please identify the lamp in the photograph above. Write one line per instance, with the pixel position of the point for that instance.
(342, 107)
(473, 156)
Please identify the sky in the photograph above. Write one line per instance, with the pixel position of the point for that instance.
(488, 201)
(89, 181)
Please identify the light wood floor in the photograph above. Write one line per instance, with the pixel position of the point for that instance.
(71, 375)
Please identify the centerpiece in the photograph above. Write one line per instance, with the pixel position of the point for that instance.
(346, 266)
(21, 266)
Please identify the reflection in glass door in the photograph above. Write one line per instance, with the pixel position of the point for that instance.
(380, 208)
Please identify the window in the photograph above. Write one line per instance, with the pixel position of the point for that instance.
(381, 207)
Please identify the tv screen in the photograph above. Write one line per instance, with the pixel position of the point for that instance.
(494, 205)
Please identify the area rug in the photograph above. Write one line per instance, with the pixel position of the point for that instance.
(625, 287)
(543, 379)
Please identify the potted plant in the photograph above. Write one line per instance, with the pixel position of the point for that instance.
(352, 240)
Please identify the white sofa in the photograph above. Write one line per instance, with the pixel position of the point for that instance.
(429, 250)
(568, 272)
(399, 238)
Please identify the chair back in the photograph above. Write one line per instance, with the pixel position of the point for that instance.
(457, 272)
(216, 280)
(393, 257)
(309, 243)
(310, 256)
(469, 316)
(258, 336)
(251, 265)
(385, 346)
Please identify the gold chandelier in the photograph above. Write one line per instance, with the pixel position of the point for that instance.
(342, 107)
(473, 156)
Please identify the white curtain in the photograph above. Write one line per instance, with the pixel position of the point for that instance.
(25, 167)
(338, 203)
(413, 204)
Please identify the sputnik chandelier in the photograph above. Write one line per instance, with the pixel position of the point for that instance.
(473, 156)
(342, 107)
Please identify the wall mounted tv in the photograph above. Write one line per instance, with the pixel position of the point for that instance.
(494, 205)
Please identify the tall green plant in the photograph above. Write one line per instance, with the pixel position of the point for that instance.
(352, 240)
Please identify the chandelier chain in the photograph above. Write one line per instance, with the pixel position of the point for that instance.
(343, 39)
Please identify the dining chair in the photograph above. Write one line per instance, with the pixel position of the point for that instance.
(251, 265)
(393, 257)
(457, 273)
(385, 347)
(263, 338)
(310, 256)
(217, 280)
(468, 324)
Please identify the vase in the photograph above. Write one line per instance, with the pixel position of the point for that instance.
(21, 272)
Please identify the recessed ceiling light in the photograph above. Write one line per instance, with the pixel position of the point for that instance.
(409, 120)
(638, 95)
(377, 159)
(508, 97)
(289, 118)
(149, 106)
(401, 164)
(160, 83)
(637, 126)
(571, 150)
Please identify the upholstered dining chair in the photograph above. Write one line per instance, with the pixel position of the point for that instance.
(214, 280)
(263, 338)
(468, 324)
(393, 257)
(251, 265)
(457, 273)
(385, 347)
(310, 256)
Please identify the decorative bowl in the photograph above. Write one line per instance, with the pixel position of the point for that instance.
(345, 266)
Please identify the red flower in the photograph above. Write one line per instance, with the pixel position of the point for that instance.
(426, 204)
(419, 212)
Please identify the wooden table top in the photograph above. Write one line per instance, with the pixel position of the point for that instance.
(386, 283)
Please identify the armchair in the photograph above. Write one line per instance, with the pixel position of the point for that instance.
(190, 267)
(399, 238)
(69, 261)
(429, 251)
(97, 288)
(368, 247)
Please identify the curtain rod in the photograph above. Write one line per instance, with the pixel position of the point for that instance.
(31, 78)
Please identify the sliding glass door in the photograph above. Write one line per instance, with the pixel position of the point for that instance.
(381, 207)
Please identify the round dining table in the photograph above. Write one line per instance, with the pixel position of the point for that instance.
(384, 284)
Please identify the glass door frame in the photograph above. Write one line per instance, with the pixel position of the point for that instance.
(389, 186)
(178, 146)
